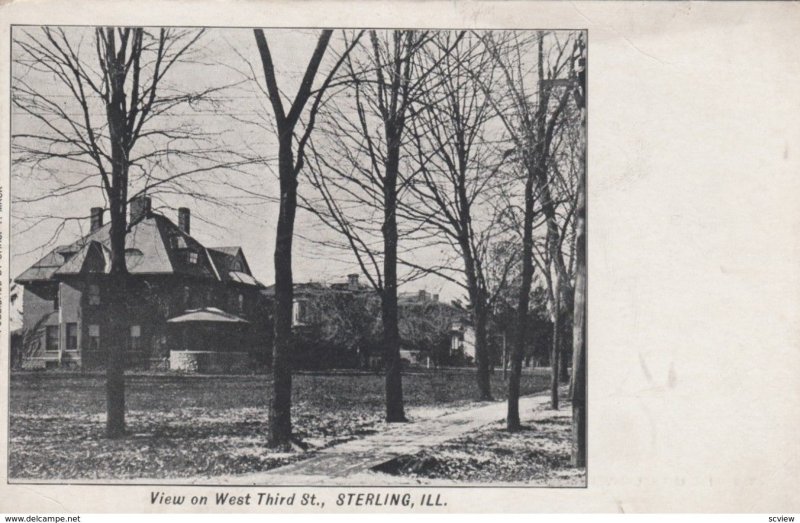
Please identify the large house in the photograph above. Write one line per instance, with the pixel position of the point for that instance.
(185, 303)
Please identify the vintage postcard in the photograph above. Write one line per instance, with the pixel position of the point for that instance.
(398, 257)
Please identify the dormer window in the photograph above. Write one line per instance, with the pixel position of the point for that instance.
(191, 257)
(133, 257)
(178, 242)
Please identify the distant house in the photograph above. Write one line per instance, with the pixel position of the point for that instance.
(425, 324)
(462, 339)
(339, 325)
(334, 325)
(65, 315)
(419, 297)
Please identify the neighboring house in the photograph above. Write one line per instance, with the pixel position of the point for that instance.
(339, 325)
(66, 297)
(334, 325)
(416, 298)
(425, 324)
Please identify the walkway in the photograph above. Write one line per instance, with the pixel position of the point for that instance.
(350, 463)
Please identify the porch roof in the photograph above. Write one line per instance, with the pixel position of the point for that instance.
(207, 315)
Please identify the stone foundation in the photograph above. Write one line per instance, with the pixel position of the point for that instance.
(209, 362)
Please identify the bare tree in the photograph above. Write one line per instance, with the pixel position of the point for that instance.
(559, 196)
(532, 128)
(290, 164)
(458, 158)
(359, 174)
(101, 115)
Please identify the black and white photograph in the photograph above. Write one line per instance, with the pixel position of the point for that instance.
(411, 258)
(298, 256)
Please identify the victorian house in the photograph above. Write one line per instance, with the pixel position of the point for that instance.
(181, 297)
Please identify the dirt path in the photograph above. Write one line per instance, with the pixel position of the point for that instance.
(350, 463)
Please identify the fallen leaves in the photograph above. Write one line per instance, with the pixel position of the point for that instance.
(536, 455)
(189, 426)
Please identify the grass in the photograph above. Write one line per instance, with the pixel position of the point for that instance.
(538, 455)
(187, 426)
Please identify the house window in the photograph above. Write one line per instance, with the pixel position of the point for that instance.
(178, 242)
(300, 312)
(72, 336)
(94, 294)
(240, 304)
(133, 257)
(191, 257)
(136, 338)
(51, 338)
(94, 337)
(187, 297)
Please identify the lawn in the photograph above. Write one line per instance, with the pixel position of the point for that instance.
(538, 455)
(186, 426)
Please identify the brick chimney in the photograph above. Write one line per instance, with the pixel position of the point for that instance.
(184, 219)
(435, 297)
(423, 296)
(352, 282)
(96, 218)
(141, 207)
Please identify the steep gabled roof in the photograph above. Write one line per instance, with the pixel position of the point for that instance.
(93, 257)
(232, 266)
(154, 245)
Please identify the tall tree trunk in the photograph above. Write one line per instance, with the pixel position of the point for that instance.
(280, 406)
(555, 352)
(480, 320)
(534, 161)
(117, 306)
(479, 317)
(118, 273)
(564, 350)
(512, 419)
(560, 278)
(391, 332)
(578, 385)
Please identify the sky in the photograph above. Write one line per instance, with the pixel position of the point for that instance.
(225, 56)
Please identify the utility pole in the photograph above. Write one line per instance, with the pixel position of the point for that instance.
(578, 384)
